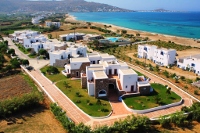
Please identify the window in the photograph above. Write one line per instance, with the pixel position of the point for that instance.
(126, 86)
(102, 93)
(145, 48)
(193, 65)
(162, 53)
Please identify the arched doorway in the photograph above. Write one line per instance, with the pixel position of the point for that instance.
(102, 93)
(112, 92)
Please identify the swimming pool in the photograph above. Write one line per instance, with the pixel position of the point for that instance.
(113, 39)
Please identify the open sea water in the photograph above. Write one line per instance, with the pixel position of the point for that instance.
(182, 24)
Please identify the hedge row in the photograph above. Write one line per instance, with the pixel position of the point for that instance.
(130, 124)
(16, 104)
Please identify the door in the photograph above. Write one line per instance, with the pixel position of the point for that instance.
(115, 71)
(110, 71)
(93, 62)
(132, 88)
(77, 74)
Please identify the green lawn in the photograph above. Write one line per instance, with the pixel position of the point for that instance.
(146, 102)
(21, 48)
(78, 95)
(139, 73)
(32, 56)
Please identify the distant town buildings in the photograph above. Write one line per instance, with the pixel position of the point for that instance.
(160, 56)
(49, 24)
(36, 20)
(71, 36)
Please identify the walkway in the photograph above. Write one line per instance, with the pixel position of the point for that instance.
(72, 111)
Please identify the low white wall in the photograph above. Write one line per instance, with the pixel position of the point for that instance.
(152, 109)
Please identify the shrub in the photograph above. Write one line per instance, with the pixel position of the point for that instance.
(164, 121)
(196, 92)
(52, 69)
(10, 106)
(78, 101)
(66, 123)
(104, 110)
(98, 102)
(182, 78)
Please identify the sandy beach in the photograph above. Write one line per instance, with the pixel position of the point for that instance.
(151, 36)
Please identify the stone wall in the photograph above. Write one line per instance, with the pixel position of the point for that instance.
(60, 63)
(81, 70)
(144, 90)
(84, 82)
(101, 84)
(61, 47)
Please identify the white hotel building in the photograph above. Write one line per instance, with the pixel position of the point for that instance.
(103, 73)
(190, 62)
(62, 57)
(160, 56)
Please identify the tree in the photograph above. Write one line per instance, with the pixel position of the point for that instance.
(3, 48)
(8, 68)
(137, 34)
(42, 52)
(1, 38)
(118, 31)
(168, 91)
(52, 69)
(66, 84)
(6, 42)
(11, 51)
(124, 31)
(157, 99)
(2, 59)
(49, 36)
(15, 63)
(25, 62)
(96, 43)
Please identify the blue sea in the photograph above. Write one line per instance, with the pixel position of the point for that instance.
(183, 24)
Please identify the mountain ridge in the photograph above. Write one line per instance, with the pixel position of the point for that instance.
(57, 6)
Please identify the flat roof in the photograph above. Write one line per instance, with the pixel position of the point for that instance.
(197, 56)
(81, 59)
(58, 52)
(128, 71)
(93, 54)
(100, 75)
(166, 49)
(104, 56)
(96, 65)
(100, 68)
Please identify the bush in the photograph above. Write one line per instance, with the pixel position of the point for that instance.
(15, 104)
(66, 123)
(164, 121)
(196, 92)
(104, 110)
(52, 69)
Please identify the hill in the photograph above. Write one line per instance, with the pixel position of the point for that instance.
(56, 6)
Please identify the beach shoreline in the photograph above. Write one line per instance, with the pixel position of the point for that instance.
(151, 35)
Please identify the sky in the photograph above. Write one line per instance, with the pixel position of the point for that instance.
(177, 5)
